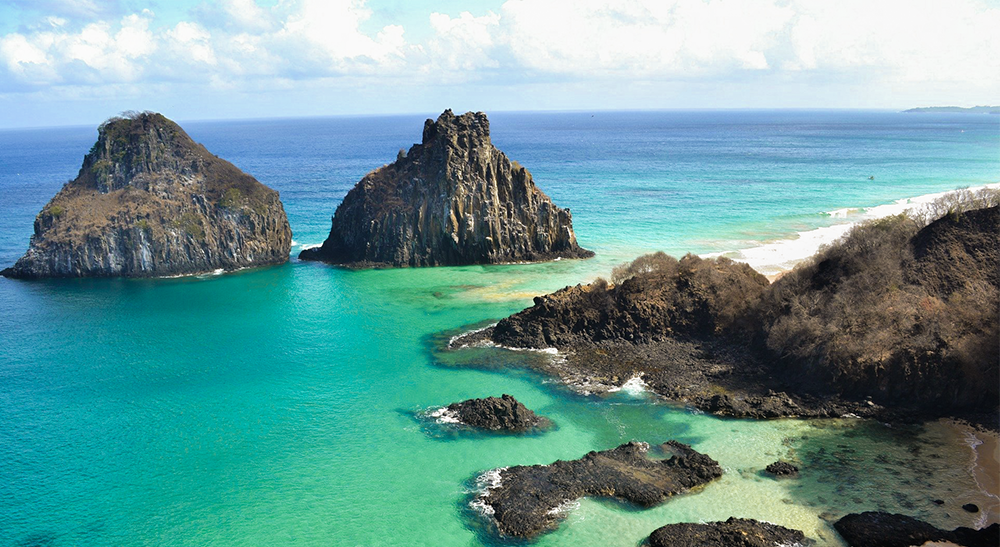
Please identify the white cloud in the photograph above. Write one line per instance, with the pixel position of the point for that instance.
(324, 35)
(464, 43)
(901, 43)
(642, 37)
(193, 42)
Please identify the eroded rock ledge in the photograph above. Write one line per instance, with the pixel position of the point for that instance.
(503, 413)
(453, 199)
(527, 500)
(148, 202)
(671, 327)
(878, 529)
(734, 532)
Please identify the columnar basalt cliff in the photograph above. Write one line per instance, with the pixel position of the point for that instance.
(149, 201)
(454, 199)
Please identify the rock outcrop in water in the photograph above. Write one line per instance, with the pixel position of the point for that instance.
(454, 199)
(503, 413)
(782, 469)
(878, 529)
(733, 532)
(527, 499)
(149, 201)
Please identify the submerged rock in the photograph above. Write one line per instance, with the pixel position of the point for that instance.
(527, 499)
(731, 533)
(454, 199)
(782, 469)
(149, 201)
(503, 413)
(878, 529)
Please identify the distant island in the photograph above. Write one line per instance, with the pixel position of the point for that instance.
(958, 109)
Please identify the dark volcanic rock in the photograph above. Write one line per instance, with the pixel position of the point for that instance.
(970, 508)
(670, 323)
(454, 199)
(692, 296)
(503, 413)
(878, 529)
(527, 499)
(149, 201)
(731, 533)
(895, 321)
(782, 469)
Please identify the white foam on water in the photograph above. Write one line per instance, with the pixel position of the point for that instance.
(483, 343)
(565, 507)
(485, 482)
(782, 255)
(634, 387)
(311, 246)
(444, 416)
(972, 441)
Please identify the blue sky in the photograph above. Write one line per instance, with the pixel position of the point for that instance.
(65, 62)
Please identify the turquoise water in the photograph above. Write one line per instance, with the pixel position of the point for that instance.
(278, 406)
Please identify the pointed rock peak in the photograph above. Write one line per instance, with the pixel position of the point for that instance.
(452, 200)
(136, 143)
(473, 126)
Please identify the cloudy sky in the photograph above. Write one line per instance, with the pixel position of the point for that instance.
(66, 62)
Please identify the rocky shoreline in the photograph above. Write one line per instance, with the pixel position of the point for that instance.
(695, 373)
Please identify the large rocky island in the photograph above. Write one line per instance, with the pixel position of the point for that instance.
(453, 199)
(899, 320)
(148, 202)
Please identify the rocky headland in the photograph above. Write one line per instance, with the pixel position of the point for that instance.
(878, 529)
(148, 202)
(525, 501)
(453, 199)
(898, 320)
(734, 532)
(503, 413)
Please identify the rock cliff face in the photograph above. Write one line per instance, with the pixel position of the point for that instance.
(454, 199)
(149, 201)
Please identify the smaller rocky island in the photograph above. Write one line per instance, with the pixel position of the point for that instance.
(878, 529)
(151, 202)
(452, 200)
(734, 532)
(504, 414)
(525, 500)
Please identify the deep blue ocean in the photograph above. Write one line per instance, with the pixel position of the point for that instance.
(280, 406)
